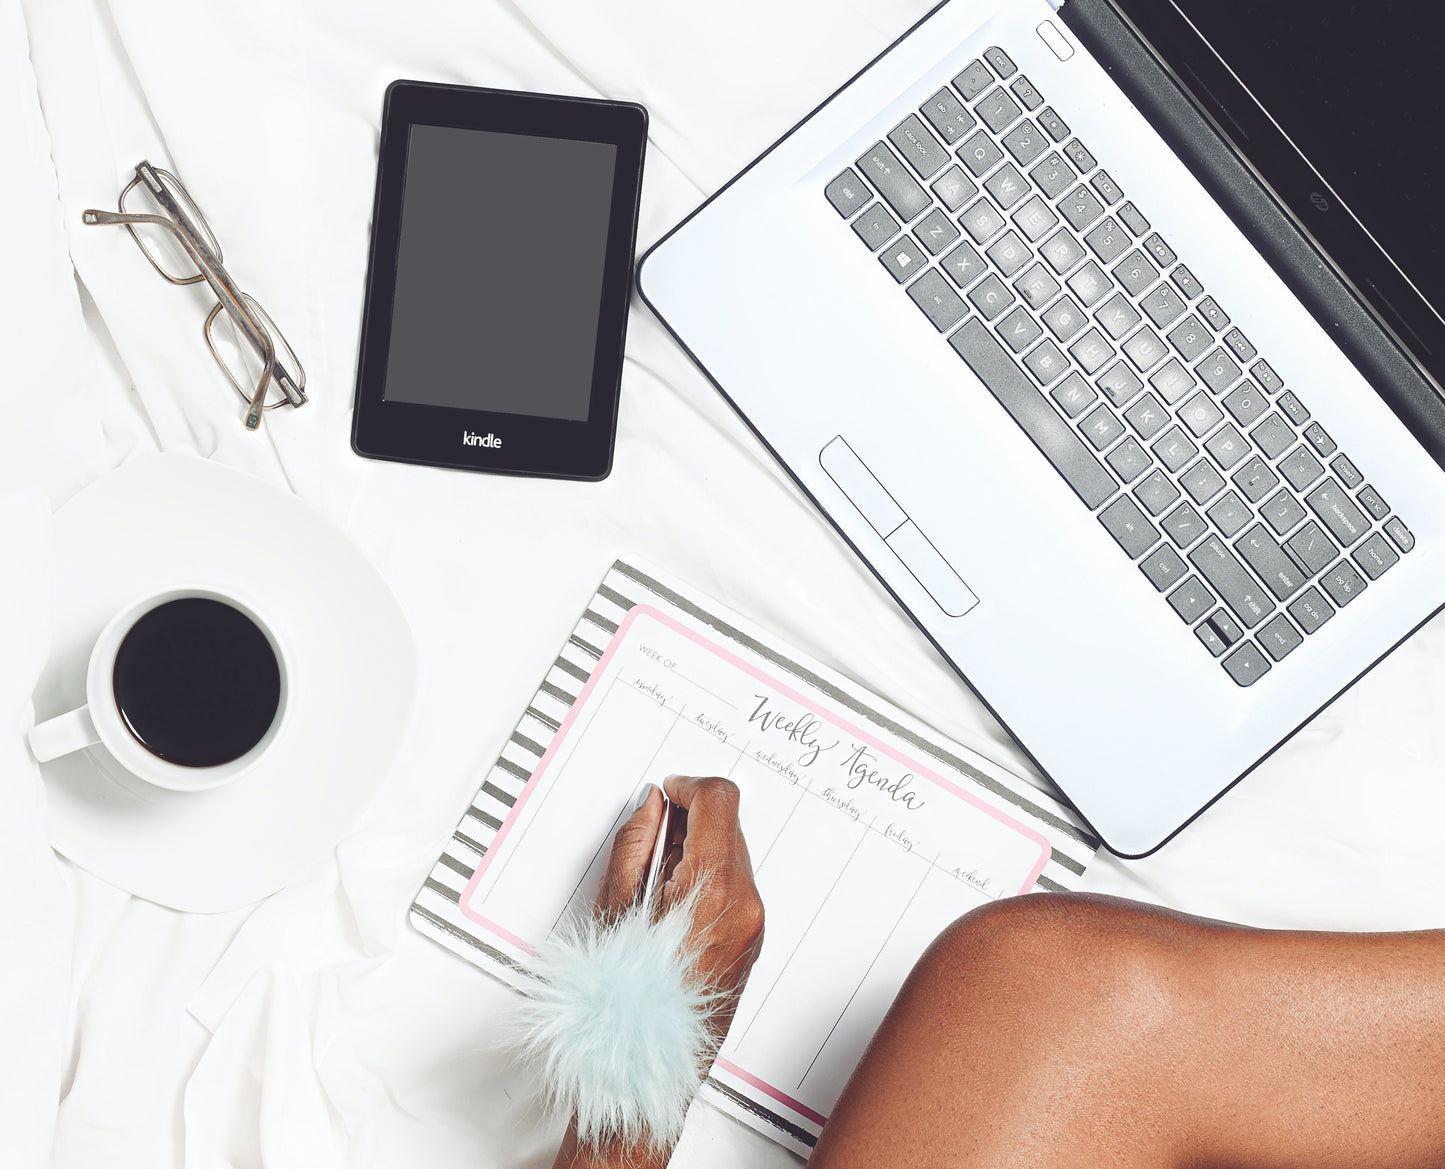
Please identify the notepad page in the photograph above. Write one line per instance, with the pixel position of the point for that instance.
(864, 846)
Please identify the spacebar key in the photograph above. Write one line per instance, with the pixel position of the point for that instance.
(1027, 406)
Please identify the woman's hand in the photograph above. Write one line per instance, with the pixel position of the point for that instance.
(727, 928)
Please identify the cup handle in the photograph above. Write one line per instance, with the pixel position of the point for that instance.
(62, 735)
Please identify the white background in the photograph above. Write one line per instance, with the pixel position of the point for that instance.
(315, 1029)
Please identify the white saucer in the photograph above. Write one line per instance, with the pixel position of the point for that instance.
(166, 520)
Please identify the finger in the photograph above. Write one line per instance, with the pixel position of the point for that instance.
(631, 851)
(713, 830)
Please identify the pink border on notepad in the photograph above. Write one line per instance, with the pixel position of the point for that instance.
(1045, 849)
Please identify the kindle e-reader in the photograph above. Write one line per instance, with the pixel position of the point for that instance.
(497, 290)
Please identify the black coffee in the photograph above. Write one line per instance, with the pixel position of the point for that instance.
(197, 682)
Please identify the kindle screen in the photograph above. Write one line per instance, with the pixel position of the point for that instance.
(499, 272)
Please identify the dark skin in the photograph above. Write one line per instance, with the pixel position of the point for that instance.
(1070, 1031)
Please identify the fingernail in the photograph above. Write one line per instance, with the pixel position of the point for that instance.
(643, 796)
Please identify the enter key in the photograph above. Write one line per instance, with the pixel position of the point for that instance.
(1271, 562)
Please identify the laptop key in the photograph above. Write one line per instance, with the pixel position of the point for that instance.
(1318, 438)
(1172, 381)
(1129, 526)
(1091, 351)
(1106, 188)
(1101, 427)
(1200, 414)
(1081, 207)
(1053, 175)
(1370, 500)
(1079, 155)
(1163, 254)
(1279, 638)
(875, 227)
(1397, 531)
(1162, 304)
(1192, 600)
(1245, 403)
(1035, 219)
(1147, 417)
(1163, 567)
(954, 188)
(1203, 481)
(998, 110)
(1117, 316)
(1118, 384)
(903, 260)
(1209, 639)
(1272, 436)
(1292, 406)
(1346, 472)
(923, 152)
(981, 220)
(1009, 253)
(1264, 374)
(1282, 511)
(1001, 62)
(1134, 221)
(1312, 548)
(1190, 337)
(1230, 514)
(1376, 557)
(1062, 251)
(1337, 511)
(1037, 286)
(1271, 565)
(1108, 240)
(1183, 525)
(1145, 349)
(935, 231)
(1226, 626)
(1238, 342)
(964, 265)
(1301, 468)
(1209, 309)
(980, 154)
(1019, 330)
(1232, 581)
(1246, 665)
(1219, 371)
(1311, 609)
(1128, 460)
(1090, 284)
(1255, 480)
(1174, 449)
(1024, 90)
(1055, 438)
(1074, 395)
(1006, 185)
(1156, 492)
(1343, 583)
(947, 115)
(940, 304)
(973, 80)
(1064, 318)
(1186, 283)
(881, 167)
(1025, 142)
(991, 297)
(847, 193)
(1056, 126)
(1227, 446)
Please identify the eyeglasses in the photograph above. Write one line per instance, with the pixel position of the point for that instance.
(175, 237)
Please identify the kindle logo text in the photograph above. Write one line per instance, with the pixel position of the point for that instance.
(487, 440)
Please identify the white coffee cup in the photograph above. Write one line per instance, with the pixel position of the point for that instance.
(100, 720)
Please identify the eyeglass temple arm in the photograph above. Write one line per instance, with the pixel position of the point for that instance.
(224, 288)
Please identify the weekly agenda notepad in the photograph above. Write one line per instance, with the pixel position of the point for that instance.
(868, 833)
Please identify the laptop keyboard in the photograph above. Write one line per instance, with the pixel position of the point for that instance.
(1121, 368)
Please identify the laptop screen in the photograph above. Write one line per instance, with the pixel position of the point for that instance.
(1343, 125)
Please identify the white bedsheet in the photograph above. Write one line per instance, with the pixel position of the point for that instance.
(316, 1029)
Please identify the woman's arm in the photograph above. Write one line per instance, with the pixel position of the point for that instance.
(727, 918)
(1068, 1030)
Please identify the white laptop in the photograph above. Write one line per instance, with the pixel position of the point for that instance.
(1089, 332)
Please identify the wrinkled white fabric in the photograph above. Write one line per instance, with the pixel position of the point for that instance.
(316, 1030)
